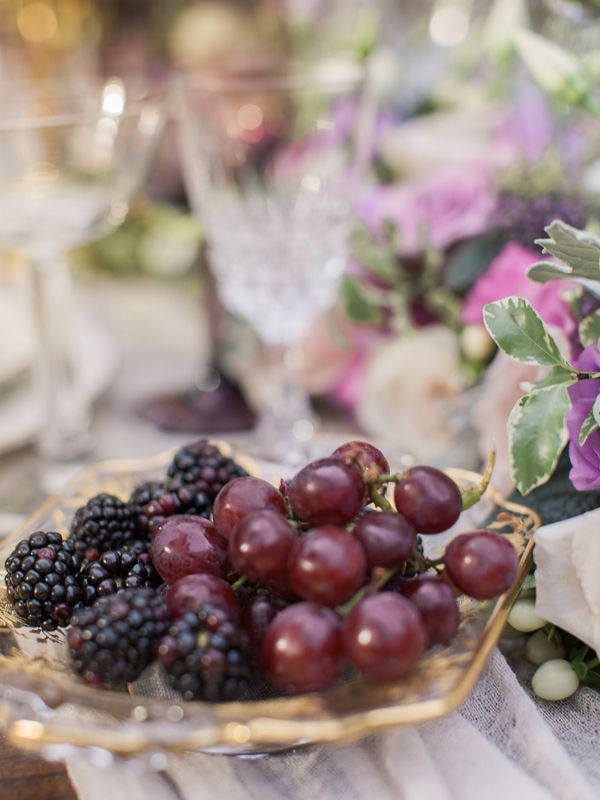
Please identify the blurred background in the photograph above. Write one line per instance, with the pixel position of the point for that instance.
(466, 159)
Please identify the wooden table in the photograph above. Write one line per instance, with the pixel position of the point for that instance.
(27, 777)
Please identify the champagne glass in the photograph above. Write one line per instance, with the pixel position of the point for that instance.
(71, 158)
(272, 163)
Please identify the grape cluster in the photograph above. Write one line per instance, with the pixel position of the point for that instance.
(337, 573)
(304, 581)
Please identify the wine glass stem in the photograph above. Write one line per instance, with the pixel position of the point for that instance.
(288, 421)
(64, 422)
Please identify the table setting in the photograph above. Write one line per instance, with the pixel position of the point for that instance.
(299, 400)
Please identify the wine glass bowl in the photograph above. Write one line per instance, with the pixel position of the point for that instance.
(271, 169)
(71, 158)
(70, 161)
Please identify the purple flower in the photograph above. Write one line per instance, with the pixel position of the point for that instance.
(585, 460)
(435, 210)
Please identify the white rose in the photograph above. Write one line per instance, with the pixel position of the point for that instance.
(567, 555)
(468, 136)
(411, 392)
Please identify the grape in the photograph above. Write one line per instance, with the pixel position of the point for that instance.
(240, 497)
(387, 538)
(429, 499)
(384, 636)
(482, 564)
(257, 615)
(302, 649)
(372, 460)
(327, 492)
(327, 565)
(186, 545)
(194, 591)
(434, 600)
(260, 545)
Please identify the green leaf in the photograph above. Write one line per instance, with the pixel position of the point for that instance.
(518, 330)
(589, 329)
(592, 679)
(537, 434)
(580, 669)
(544, 271)
(579, 250)
(550, 631)
(558, 376)
(471, 261)
(357, 303)
(596, 410)
(588, 427)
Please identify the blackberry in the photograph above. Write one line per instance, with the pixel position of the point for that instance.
(183, 499)
(114, 640)
(42, 580)
(118, 569)
(205, 656)
(139, 498)
(103, 523)
(203, 465)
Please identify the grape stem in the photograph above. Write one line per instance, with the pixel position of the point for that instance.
(239, 583)
(370, 588)
(392, 477)
(474, 494)
(379, 499)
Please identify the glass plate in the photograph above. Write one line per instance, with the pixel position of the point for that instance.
(44, 707)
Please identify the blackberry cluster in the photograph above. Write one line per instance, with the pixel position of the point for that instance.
(118, 569)
(205, 656)
(42, 580)
(113, 641)
(141, 496)
(203, 465)
(103, 523)
(186, 499)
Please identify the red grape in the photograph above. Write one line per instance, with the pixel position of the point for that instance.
(386, 537)
(240, 497)
(429, 499)
(256, 618)
(327, 492)
(302, 649)
(260, 545)
(482, 564)
(186, 545)
(435, 602)
(327, 565)
(194, 591)
(372, 460)
(384, 636)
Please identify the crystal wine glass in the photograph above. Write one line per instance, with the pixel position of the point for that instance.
(272, 163)
(71, 158)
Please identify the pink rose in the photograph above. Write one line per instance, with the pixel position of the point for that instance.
(435, 210)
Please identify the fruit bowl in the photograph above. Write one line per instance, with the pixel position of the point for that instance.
(44, 707)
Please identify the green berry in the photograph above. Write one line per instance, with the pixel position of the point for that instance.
(540, 648)
(555, 680)
(523, 618)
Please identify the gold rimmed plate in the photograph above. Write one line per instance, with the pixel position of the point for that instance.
(44, 707)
